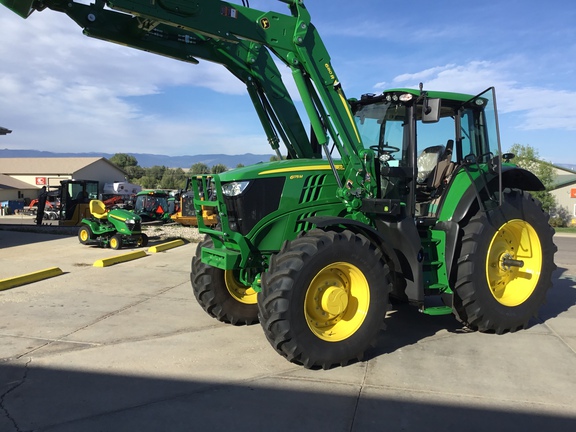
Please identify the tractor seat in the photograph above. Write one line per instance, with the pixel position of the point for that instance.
(427, 161)
(98, 209)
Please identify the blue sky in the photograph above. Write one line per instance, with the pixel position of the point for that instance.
(61, 91)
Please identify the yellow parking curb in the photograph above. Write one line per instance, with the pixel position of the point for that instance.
(165, 246)
(119, 258)
(29, 278)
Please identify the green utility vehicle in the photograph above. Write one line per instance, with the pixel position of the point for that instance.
(405, 193)
(114, 228)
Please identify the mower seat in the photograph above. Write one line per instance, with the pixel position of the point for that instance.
(98, 209)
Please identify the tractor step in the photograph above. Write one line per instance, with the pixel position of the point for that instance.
(436, 310)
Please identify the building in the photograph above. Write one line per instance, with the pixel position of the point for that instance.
(564, 189)
(22, 178)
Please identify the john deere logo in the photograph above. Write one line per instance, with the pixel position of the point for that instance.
(265, 23)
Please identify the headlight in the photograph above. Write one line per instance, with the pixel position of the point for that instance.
(406, 97)
(234, 188)
(130, 221)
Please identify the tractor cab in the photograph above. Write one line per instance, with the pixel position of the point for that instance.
(153, 206)
(75, 196)
(422, 140)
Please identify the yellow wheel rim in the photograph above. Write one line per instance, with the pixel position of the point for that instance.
(242, 293)
(113, 243)
(518, 243)
(84, 235)
(337, 302)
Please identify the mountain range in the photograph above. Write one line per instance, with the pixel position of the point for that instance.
(146, 160)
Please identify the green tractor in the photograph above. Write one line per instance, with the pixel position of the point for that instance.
(115, 228)
(404, 194)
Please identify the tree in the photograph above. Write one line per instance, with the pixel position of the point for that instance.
(274, 158)
(123, 160)
(134, 172)
(148, 182)
(218, 168)
(199, 168)
(173, 179)
(527, 157)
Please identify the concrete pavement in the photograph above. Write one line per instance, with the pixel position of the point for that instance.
(127, 348)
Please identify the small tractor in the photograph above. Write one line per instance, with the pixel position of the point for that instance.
(404, 194)
(114, 228)
(153, 206)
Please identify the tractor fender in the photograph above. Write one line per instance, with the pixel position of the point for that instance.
(512, 177)
(520, 178)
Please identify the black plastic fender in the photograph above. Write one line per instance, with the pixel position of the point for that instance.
(512, 177)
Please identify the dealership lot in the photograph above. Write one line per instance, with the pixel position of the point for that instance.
(126, 347)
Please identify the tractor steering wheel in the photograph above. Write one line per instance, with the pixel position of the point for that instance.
(384, 148)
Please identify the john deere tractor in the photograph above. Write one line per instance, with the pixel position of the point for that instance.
(402, 194)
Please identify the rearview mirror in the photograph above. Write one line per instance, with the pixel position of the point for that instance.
(431, 110)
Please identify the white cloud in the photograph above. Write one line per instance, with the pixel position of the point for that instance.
(537, 107)
(65, 91)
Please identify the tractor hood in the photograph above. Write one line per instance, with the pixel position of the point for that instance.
(124, 216)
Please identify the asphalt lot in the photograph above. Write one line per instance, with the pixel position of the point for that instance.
(127, 348)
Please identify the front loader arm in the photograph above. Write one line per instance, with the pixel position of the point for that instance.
(295, 40)
(292, 38)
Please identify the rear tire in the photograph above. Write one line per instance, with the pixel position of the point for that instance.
(85, 234)
(324, 298)
(491, 295)
(116, 242)
(220, 293)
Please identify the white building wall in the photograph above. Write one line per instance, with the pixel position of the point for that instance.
(564, 197)
(35, 180)
(101, 171)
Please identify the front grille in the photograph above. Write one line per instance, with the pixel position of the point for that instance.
(134, 226)
(261, 197)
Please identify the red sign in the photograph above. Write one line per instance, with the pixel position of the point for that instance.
(41, 181)
(573, 193)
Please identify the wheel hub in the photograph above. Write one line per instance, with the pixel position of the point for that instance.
(514, 262)
(337, 302)
(334, 300)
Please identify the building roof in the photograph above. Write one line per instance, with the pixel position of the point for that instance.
(57, 165)
(563, 177)
(7, 182)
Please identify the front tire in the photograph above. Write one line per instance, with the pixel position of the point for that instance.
(324, 298)
(116, 242)
(505, 266)
(220, 293)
